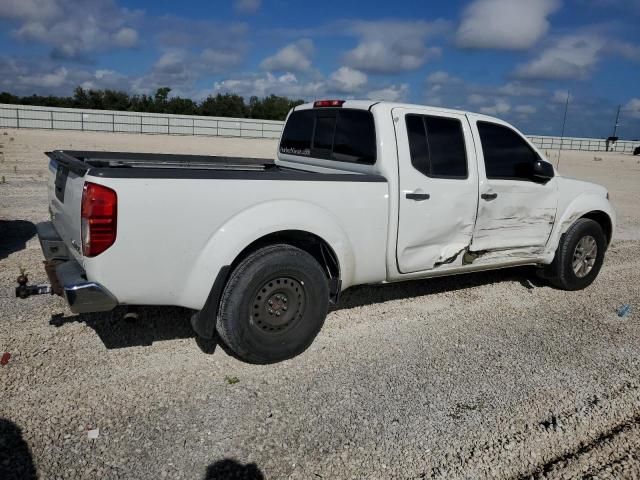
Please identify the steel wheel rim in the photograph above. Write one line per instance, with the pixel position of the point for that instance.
(278, 305)
(584, 256)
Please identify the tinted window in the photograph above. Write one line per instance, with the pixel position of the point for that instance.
(338, 134)
(355, 139)
(436, 145)
(323, 136)
(506, 154)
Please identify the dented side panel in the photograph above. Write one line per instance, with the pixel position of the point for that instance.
(521, 216)
(433, 232)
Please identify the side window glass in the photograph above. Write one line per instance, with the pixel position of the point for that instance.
(436, 146)
(507, 155)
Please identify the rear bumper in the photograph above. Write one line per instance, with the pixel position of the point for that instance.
(82, 295)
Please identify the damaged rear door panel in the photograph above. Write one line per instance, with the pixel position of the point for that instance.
(438, 194)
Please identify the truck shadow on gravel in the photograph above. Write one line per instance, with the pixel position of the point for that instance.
(14, 235)
(361, 296)
(155, 324)
(229, 468)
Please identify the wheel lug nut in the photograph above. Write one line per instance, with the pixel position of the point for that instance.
(284, 308)
(277, 314)
(270, 302)
(271, 311)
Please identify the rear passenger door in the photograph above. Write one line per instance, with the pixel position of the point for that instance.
(438, 188)
(516, 210)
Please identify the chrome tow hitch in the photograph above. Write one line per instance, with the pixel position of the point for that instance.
(25, 291)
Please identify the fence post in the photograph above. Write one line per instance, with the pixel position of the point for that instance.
(193, 126)
(262, 129)
(140, 123)
(82, 121)
(51, 114)
(168, 126)
(113, 122)
(17, 117)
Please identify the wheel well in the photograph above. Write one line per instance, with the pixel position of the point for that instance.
(310, 243)
(604, 220)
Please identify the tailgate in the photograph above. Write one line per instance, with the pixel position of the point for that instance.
(65, 196)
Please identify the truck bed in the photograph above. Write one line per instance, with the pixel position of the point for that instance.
(161, 165)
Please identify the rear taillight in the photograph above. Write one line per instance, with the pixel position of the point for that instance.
(327, 103)
(99, 218)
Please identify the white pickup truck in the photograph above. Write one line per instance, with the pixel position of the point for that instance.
(360, 193)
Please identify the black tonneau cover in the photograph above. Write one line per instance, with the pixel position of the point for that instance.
(161, 165)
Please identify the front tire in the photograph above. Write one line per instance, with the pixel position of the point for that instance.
(579, 256)
(273, 305)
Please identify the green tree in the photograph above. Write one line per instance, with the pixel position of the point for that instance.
(227, 105)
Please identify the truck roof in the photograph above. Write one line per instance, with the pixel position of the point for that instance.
(369, 104)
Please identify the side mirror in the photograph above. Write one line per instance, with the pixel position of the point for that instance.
(542, 171)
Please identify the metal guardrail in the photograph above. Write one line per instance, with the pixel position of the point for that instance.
(19, 116)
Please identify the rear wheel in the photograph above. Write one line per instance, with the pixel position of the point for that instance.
(273, 305)
(579, 256)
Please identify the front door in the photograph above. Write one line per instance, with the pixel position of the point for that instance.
(516, 211)
(438, 188)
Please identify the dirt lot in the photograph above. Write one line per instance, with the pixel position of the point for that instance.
(489, 375)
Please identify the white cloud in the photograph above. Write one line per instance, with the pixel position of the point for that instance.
(286, 84)
(499, 108)
(292, 58)
(517, 89)
(441, 77)
(559, 96)
(569, 57)
(389, 46)
(126, 37)
(633, 107)
(392, 93)
(347, 80)
(525, 109)
(476, 99)
(505, 24)
(247, 6)
(72, 28)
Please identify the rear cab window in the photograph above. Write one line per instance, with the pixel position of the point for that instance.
(338, 134)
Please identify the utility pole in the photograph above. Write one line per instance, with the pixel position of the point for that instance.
(564, 123)
(616, 125)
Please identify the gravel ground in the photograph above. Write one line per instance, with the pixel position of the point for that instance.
(494, 375)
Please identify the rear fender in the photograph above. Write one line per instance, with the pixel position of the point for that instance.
(249, 225)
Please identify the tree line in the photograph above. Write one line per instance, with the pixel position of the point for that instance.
(272, 107)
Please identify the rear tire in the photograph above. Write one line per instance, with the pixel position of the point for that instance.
(273, 305)
(579, 256)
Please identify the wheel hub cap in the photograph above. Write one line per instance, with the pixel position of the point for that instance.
(584, 256)
(278, 305)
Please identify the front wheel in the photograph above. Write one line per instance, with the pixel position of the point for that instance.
(273, 305)
(579, 256)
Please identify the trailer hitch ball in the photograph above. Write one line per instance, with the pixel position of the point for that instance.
(23, 290)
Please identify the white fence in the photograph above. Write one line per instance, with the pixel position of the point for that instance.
(20, 116)
(588, 144)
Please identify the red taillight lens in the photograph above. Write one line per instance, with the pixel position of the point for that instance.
(99, 218)
(327, 103)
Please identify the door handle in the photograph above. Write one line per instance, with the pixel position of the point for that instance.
(489, 196)
(418, 196)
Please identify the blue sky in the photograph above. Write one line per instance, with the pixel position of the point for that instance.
(515, 59)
